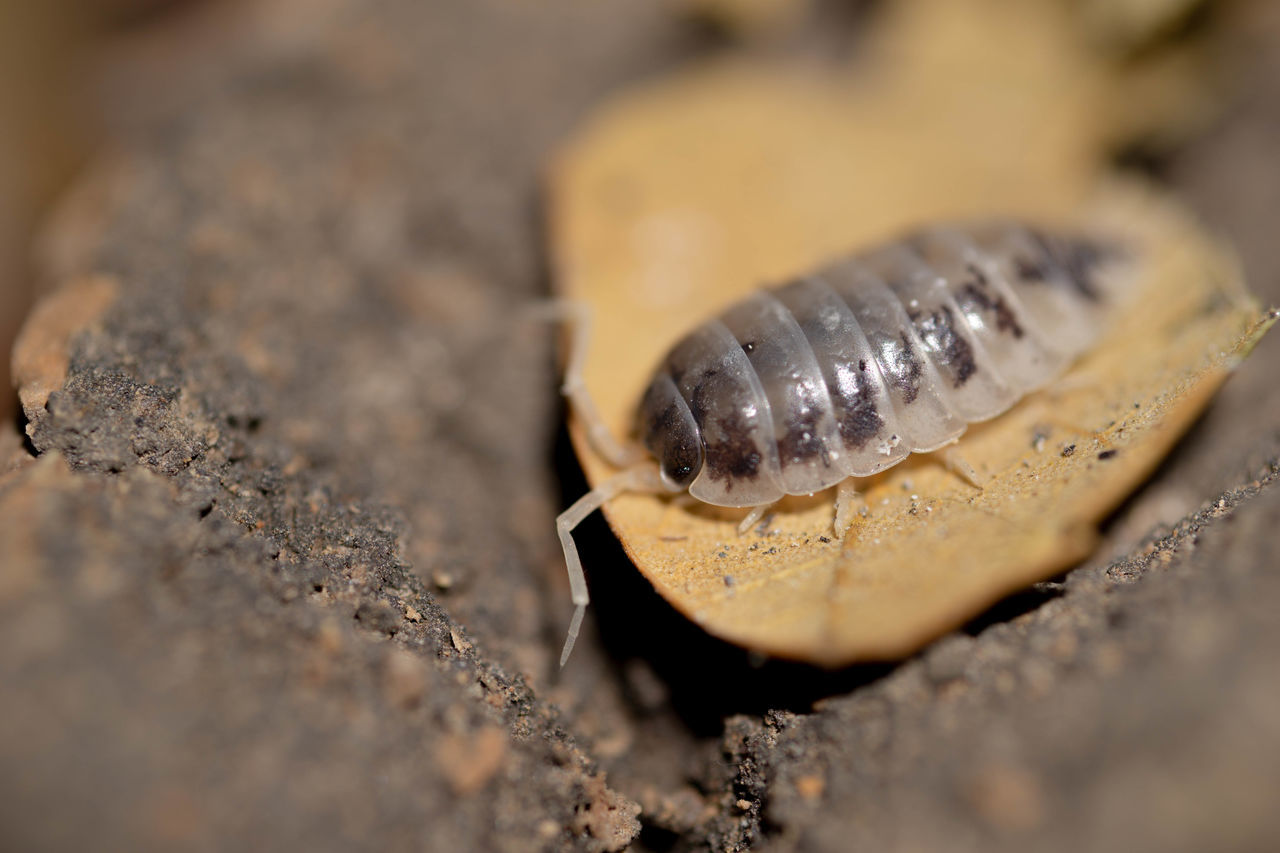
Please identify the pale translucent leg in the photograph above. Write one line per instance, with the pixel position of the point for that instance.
(577, 316)
(757, 513)
(958, 465)
(848, 502)
(640, 478)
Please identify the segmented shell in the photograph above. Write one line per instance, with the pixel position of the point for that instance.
(893, 351)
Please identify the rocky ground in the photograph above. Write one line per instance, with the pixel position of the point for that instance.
(278, 556)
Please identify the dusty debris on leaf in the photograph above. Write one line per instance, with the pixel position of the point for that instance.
(681, 197)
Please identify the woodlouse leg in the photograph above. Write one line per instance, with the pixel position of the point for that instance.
(577, 315)
(757, 513)
(848, 501)
(640, 478)
(958, 465)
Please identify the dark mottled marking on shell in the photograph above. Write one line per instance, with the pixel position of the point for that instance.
(1081, 260)
(1030, 269)
(861, 420)
(801, 441)
(937, 329)
(1077, 259)
(977, 294)
(671, 433)
(861, 424)
(905, 368)
(823, 377)
(736, 457)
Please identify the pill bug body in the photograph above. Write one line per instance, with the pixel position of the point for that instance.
(847, 371)
(896, 350)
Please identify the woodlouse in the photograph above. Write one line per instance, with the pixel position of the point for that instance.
(846, 371)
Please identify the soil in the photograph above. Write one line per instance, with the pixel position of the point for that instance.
(279, 563)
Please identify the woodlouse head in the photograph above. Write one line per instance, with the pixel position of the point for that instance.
(667, 428)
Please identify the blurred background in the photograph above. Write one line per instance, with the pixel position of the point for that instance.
(297, 583)
(59, 62)
(75, 72)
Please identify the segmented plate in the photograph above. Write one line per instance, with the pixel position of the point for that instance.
(845, 370)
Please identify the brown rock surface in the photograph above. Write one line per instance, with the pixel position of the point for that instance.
(284, 574)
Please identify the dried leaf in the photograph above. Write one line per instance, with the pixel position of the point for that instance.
(682, 197)
(41, 354)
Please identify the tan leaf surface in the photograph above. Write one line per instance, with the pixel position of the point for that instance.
(682, 197)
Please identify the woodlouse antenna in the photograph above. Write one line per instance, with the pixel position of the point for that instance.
(639, 478)
(577, 316)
